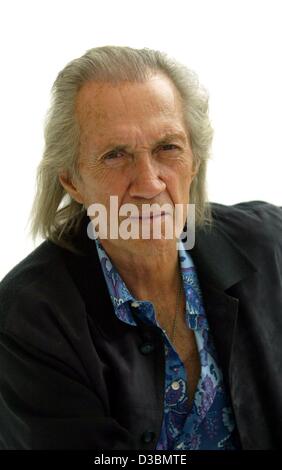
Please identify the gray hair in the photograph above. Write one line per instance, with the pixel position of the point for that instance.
(55, 215)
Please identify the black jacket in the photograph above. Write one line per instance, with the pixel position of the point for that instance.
(73, 376)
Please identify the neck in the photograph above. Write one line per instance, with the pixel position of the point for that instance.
(148, 273)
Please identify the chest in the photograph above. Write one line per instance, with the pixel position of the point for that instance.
(186, 347)
(184, 342)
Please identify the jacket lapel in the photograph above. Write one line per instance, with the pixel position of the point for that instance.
(220, 264)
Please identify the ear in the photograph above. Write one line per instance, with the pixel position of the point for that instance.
(71, 187)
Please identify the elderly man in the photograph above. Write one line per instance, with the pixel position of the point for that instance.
(128, 342)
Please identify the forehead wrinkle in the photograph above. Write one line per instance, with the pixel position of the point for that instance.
(96, 117)
(131, 142)
(106, 128)
(89, 104)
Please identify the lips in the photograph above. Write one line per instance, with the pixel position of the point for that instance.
(149, 216)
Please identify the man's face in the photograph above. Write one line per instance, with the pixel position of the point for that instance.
(134, 145)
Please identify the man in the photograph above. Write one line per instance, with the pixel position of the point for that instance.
(130, 343)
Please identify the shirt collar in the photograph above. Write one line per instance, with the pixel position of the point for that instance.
(121, 296)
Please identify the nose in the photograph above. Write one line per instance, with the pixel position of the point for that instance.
(145, 179)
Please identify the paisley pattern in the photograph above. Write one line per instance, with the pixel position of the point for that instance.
(209, 424)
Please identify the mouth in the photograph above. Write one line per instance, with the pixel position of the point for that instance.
(149, 216)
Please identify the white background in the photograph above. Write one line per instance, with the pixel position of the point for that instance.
(233, 45)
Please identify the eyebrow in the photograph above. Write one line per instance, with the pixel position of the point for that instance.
(166, 138)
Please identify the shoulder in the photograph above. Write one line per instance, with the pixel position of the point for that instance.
(29, 272)
(249, 211)
(249, 222)
(40, 283)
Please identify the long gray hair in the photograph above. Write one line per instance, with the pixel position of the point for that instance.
(55, 215)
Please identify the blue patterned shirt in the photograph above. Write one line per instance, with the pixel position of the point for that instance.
(209, 424)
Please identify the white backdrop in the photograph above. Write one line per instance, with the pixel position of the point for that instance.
(233, 45)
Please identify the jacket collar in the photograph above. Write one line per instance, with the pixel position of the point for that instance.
(221, 263)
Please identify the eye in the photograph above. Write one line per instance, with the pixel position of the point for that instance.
(168, 147)
(113, 156)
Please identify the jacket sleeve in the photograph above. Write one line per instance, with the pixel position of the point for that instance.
(43, 406)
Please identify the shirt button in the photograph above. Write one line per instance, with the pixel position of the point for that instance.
(135, 304)
(175, 386)
(146, 348)
(148, 437)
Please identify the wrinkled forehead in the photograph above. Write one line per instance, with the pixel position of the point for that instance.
(105, 104)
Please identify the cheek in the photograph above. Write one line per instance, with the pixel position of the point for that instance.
(181, 173)
(99, 187)
(179, 186)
